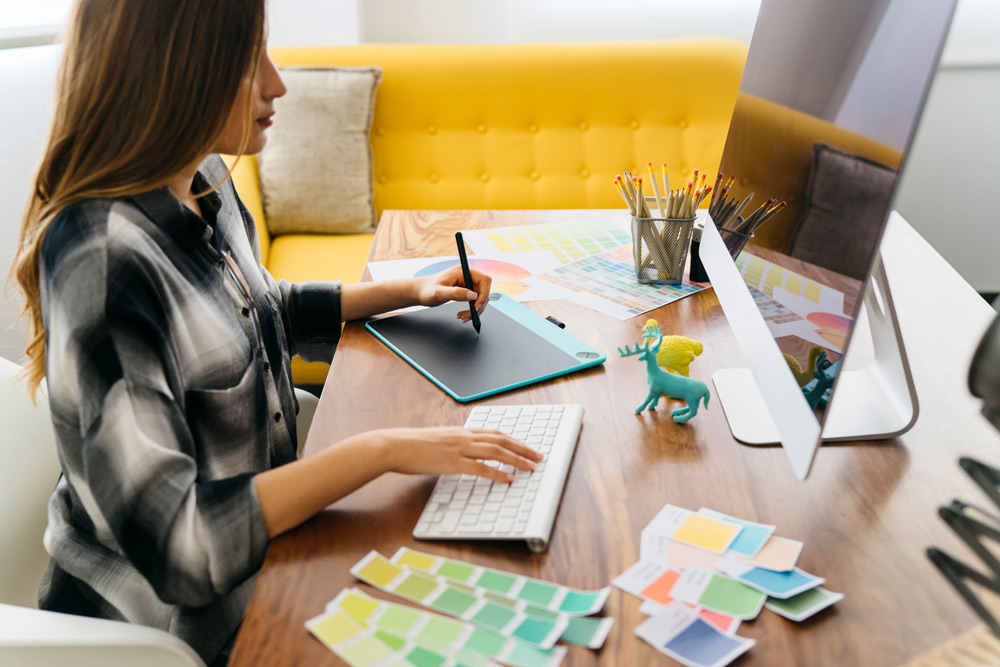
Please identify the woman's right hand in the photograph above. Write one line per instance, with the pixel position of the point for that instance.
(452, 450)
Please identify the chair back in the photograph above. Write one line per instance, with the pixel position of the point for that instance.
(29, 469)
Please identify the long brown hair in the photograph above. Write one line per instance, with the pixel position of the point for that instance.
(144, 89)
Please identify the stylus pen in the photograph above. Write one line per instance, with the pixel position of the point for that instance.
(467, 276)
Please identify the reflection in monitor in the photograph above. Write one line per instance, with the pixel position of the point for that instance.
(826, 110)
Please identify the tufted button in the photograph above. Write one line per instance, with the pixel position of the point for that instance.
(383, 179)
(584, 127)
(683, 124)
(484, 177)
(433, 178)
(533, 175)
(380, 131)
(585, 173)
(431, 129)
(481, 129)
(634, 125)
(533, 128)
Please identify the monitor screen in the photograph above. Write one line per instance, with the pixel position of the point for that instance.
(827, 108)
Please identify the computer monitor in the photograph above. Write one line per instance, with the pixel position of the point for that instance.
(826, 110)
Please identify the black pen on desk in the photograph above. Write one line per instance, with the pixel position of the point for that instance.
(467, 276)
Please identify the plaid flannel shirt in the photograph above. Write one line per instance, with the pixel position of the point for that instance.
(169, 390)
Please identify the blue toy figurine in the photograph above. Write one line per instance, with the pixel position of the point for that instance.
(662, 383)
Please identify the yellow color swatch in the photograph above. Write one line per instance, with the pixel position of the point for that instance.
(335, 628)
(360, 607)
(366, 651)
(416, 559)
(379, 571)
(706, 533)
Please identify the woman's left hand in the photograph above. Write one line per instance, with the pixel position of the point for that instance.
(449, 285)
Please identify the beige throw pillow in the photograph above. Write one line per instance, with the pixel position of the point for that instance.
(316, 170)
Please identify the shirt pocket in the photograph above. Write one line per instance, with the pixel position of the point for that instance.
(229, 427)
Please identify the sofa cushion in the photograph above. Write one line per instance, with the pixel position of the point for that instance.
(837, 231)
(303, 257)
(316, 170)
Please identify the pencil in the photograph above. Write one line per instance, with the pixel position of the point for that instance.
(666, 178)
(656, 190)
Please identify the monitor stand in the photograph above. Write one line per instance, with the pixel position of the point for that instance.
(873, 398)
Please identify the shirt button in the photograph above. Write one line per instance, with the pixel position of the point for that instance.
(277, 416)
(267, 366)
(246, 312)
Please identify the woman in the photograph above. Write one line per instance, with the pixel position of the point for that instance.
(166, 347)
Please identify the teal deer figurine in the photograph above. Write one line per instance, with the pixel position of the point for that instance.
(662, 383)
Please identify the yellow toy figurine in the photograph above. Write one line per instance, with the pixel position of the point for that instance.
(804, 377)
(676, 352)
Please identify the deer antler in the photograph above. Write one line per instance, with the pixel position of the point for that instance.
(631, 351)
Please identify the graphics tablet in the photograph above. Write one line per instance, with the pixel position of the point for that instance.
(516, 347)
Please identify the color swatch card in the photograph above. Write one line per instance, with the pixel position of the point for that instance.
(535, 591)
(442, 633)
(462, 602)
(680, 633)
(697, 530)
(778, 553)
(781, 585)
(362, 646)
(704, 588)
(752, 537)
(802, 606)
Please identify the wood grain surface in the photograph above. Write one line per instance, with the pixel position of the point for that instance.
(866, 513)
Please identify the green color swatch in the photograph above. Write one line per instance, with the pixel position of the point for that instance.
(493, 580)
(533, 630)
(732, 597)
(454, 601)
(451, 569)
(538, 592)
(578, 602)
(494, 616)
(485, 642)
(416, 587)
(398, 619)
(421, 657)
(797, 604)
(442, 630)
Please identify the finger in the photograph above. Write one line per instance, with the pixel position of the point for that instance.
(498, 453)
(513, 444)
(482, 284)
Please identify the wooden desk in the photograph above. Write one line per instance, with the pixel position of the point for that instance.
(866, 513)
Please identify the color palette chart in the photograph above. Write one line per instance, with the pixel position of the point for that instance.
(534, 612)
(568, 241)
(442, 633)
(701, 573)
(542, 593)
(606, 282)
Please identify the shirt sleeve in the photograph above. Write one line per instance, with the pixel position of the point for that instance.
(127, 450)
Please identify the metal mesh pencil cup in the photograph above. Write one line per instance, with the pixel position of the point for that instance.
(734, 240)
(660, 249)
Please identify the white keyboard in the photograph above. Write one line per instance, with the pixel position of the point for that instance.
(468, 507)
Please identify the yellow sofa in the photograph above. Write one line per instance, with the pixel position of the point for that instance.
(513, 126)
